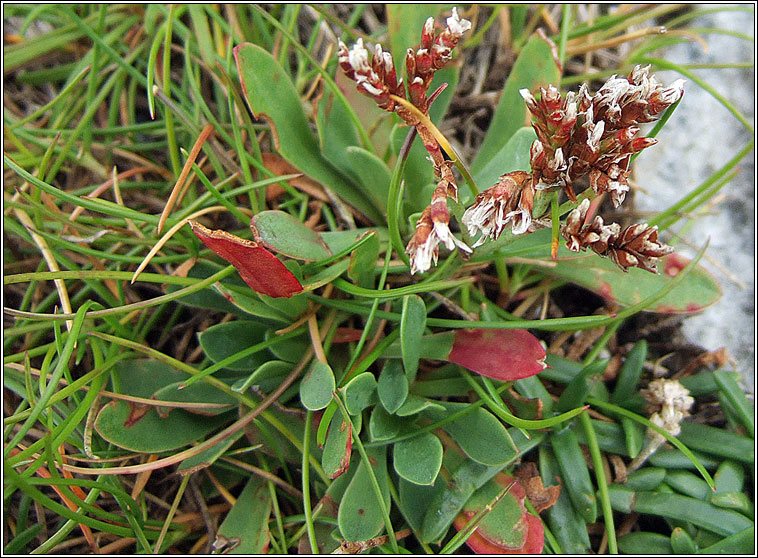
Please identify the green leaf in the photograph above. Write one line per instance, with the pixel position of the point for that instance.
(317, 386)
(373, 175)
(479, 434)
(696, 292)
(564, 521)
(338, 447)
(326, 275)
(674, 506)
(579, 388)
(143, 377)
(363, 262)
(392, 386)
(446, 504)
(340, 144)
(199, 392)
(412, 324)
(136, 428)
(382, 425)
(575, 474)
(281, 232)
(290, 351)
(740, 543)
(418, 459)
(208, 457)
(224, 340)
(250, 304)
(682, 543)
(270, 94)
(245, 529)
(630, 374)
(729, 477)
(642, 542)
(360, 392)
(337, 241)
(276, 443)
(268, 376)
(717, 441)
(292, 307)
(414, 404)
(208, 299)
(535, 67)
(736, 396)
(359, 516)
(507, 527)
(414, 500)
(648, 478)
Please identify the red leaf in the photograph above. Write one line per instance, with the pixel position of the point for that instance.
(258, 267)
(482, 542)
(502, 354)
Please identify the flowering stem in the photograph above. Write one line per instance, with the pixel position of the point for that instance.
(394, 197)
(555, 236)
(444, 144)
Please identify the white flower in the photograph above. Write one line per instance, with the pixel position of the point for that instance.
(456, 25)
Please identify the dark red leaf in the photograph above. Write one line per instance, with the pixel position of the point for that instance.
(502, 354)
(258, 267)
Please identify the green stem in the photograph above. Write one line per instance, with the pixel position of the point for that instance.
(307, 484)
(602, 482)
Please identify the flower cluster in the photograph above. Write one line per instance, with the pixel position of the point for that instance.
(378, 79)
(511, 200)
(580, 134)
(634, 246)
(669, 402)
(577, 135)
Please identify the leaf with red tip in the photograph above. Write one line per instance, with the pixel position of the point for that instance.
(338, 448)
(258, 267)
(502, 354)
(508, 528)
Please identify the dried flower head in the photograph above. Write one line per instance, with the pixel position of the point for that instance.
(634, 246)
(430, 55)
(580, 134)
(509, 201)
(374, 76)
(666, 392)
(423, 247)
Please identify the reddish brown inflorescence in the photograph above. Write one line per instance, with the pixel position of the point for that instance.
(634, 246)
(581, 134)
(378, 79)
(577, 135)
